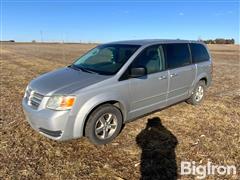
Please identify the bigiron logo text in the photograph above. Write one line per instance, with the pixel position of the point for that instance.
(202, 171)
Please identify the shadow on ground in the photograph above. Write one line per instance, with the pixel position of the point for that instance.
(158, 159)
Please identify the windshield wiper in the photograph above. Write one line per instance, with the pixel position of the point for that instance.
(81, 68)
(87, 70)
(72, 66)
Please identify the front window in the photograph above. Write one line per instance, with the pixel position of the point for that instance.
(151, 58)
(106, 59)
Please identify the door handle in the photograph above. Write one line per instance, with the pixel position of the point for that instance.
(162, 77)
(173, 75)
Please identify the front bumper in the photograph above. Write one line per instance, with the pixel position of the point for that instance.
(57, 125)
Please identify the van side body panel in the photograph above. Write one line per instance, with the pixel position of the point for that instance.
(148, 93)
(181, 79)
(203, 71)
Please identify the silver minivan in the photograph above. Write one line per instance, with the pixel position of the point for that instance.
(115, 83)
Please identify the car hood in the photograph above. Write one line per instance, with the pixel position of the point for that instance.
(64, 81)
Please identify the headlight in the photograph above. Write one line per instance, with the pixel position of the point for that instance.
(61, 102)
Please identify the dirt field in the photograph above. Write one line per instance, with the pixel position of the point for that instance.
(208, 132)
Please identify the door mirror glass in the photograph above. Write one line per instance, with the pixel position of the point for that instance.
(137, 72)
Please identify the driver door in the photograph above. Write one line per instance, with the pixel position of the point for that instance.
(149, 92)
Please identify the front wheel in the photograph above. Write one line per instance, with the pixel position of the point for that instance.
(104, 124)
(198, 93)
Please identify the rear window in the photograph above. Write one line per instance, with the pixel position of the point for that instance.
(199, 53)
(177, 55)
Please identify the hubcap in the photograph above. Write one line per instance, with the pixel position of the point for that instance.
(105, 126)
(199, 93)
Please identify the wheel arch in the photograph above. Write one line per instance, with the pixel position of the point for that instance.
(90, 106)
(112, 102)
(204, 79)
(200, 77)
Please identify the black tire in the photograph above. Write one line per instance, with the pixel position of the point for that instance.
(96, 121)
(193, 99)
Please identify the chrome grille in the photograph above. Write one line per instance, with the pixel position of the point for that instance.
(33, 98)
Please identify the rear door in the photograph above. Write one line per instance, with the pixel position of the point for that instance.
(181, 71)
(149, 92)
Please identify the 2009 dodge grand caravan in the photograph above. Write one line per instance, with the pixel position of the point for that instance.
(115, 83)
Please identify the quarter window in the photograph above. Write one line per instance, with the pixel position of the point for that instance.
(177, 55)
(151, 58)
(199, 53)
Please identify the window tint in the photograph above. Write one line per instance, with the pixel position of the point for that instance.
(151, 58)
(199, 53)
(177, 55)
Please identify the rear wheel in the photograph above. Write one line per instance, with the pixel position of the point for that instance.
(198, 93)
(104, 124)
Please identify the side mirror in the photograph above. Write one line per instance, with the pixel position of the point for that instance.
(137, 72)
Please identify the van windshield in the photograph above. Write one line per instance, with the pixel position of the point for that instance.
(105, 59)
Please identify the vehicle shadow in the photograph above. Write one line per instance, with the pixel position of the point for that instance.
(158, 159)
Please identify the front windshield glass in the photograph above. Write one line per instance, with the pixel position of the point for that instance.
(106, 59)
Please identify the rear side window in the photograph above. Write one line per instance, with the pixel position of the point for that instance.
(199, 53)
(177, 55)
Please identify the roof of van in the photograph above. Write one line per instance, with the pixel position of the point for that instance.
(153, 41)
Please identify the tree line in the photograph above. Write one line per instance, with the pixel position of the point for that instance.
(219, 41)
